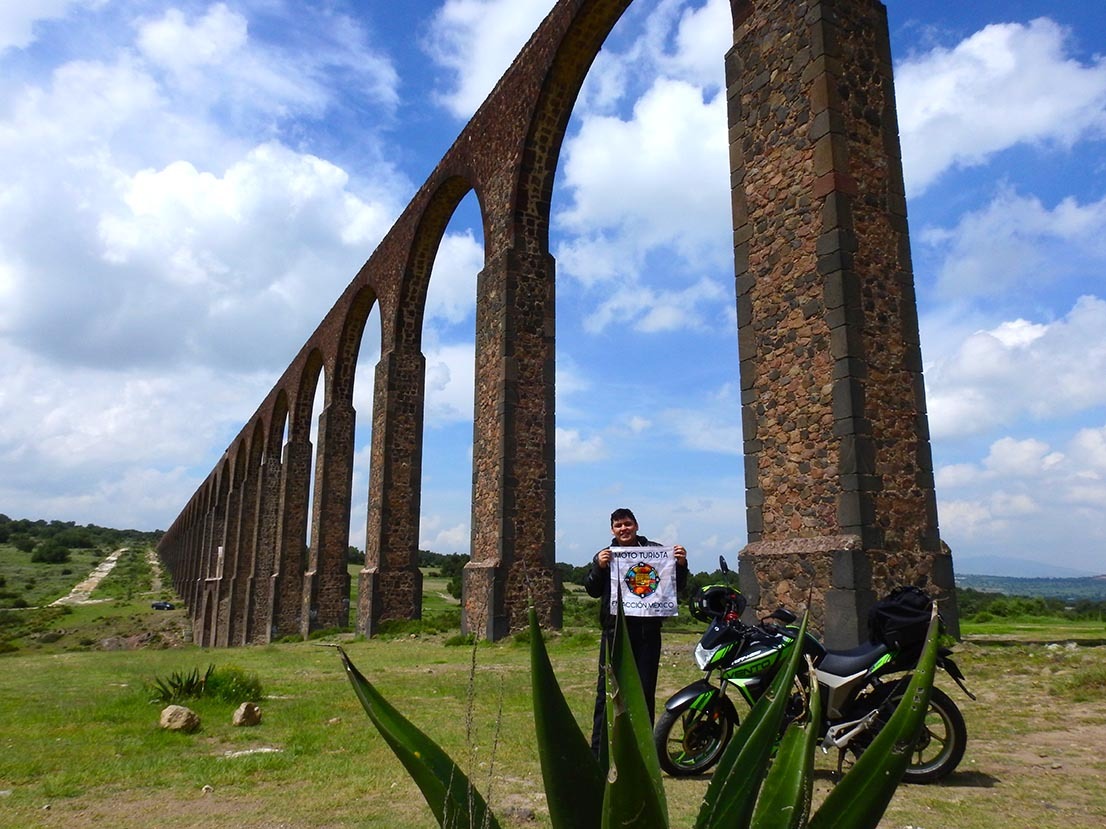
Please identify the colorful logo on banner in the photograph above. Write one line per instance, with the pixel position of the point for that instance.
(645, 577)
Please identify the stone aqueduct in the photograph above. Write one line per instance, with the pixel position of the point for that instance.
(840, 494)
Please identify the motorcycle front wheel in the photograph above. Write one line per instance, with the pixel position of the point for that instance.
(690, 740)
(940, 747)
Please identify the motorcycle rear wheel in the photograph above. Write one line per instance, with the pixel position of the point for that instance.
(939, 748)
(689, 741)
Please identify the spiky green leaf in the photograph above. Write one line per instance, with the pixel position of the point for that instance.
(573, 780)
(634, 796)
(860, 799)
(784, 801)
(731, 795)
(452, 799)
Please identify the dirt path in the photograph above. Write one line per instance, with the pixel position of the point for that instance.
(81, 594)
(155, 570)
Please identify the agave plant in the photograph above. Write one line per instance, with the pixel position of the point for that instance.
(763, 780)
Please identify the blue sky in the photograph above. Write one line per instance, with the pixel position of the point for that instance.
(186, 188)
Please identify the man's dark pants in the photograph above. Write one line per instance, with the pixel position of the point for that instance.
(645, 643)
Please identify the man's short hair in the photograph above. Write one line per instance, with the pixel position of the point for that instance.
(620, 513)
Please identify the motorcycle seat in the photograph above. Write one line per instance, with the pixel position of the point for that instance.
(852, 661)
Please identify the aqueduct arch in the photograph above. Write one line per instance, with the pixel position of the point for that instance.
(840, 496)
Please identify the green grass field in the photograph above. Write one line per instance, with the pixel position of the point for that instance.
(80, 744)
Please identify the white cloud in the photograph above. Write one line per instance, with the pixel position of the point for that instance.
(658, 311)
(572, 447)
(179, 261)
(656, 179)
(1026, 498)
(1008, 84)
(452, 294)
(1020, 457)
(180, 47)
(450, 383)
(436, 534)
(476, 40)
(1018, 370)
(1089, 445)
(18, 19)
(112, 447)
(212, 60)
(1015, 243)
(703, 37)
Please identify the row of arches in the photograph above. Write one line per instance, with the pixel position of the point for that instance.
(260, 550)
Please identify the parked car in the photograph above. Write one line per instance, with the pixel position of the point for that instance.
(162, 605)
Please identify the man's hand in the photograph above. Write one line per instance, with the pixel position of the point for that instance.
(680, 554)
(603, 559)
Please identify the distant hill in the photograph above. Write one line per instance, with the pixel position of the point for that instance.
(1016, 567)
(1072, 589)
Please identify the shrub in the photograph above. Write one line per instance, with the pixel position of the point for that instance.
(180, 686)
(230, 684)
(50, 552)
(234, 685)
(23, 543)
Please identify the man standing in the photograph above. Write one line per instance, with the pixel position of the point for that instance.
(644, 631)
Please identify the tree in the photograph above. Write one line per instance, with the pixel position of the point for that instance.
(50, 552)
(22, 542)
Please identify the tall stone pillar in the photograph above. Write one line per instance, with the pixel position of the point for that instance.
(513, 551)
(326, 582)
(228, 565)
(839, 479)
(287, 578)
(260, 592)
(390, 585)
(245, 561)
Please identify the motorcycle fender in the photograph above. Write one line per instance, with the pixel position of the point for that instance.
(689, 694)
(953, 670)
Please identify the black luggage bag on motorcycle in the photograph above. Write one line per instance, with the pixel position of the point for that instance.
(900, 621)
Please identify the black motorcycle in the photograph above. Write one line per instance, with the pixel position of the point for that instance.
(859, 687)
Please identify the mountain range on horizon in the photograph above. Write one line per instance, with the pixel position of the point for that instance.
(992, 565)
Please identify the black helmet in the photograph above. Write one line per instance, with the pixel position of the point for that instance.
(715, 601)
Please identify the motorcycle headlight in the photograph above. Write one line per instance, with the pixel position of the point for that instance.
(703, 656)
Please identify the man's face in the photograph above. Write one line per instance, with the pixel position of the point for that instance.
(624, 530)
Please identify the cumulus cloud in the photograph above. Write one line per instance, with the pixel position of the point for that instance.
(1016, 243)
(659, 178)
(703, 37)
(180, 46)
(211, 58)
(436, 533)
(450, 383)
(655, 311)
(452, 295)
(476, 40)
(158, 263)
(1020, 369)
(18, 20)
(1089, 445)
(109, 446)
(1026, 497)
(572, 447)
(180, 262)
(1008, 84)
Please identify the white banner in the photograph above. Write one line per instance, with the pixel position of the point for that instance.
(646, 579)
